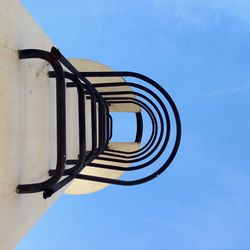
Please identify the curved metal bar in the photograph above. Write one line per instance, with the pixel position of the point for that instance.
(177, 137)
(103, 117)
(146, 107)
(152, 150)
(103, 106)
(77, 168)
(93, 152)
(153, 120)
(52, 184)
(51, 57)
(115, 84)
(110, 127)
(153, 135)
(139, 129)
(167, 119)
(74, 71)
(134, 167)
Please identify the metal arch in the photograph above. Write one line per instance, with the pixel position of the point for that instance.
(161, 131)
(146, 107)
(154, 131)
(83, 85)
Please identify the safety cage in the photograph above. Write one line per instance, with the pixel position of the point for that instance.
(161, 110)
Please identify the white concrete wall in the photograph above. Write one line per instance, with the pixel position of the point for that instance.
(27, 123)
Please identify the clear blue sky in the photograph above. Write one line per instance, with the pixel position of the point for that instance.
(200, 52)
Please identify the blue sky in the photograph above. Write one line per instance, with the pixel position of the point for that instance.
(199, 51)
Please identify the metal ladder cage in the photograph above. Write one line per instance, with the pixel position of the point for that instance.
(55, 182)
(147, 155)
(156, 146)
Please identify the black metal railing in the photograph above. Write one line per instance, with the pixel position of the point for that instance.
(147, 94)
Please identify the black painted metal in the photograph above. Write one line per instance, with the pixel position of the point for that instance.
(48, 185)
(102, 128)
(153, 122)
(160, 138)
(161, 151)
(110, 127)
(139, 125)
(152, 137)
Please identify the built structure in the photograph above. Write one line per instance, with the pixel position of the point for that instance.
(56, 125)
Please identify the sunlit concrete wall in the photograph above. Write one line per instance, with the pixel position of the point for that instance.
(27, 123)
